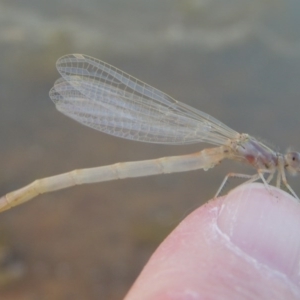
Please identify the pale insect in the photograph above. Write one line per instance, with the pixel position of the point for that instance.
(100, 96)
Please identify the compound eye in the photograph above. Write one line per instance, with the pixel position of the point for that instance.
(295, 156)
(293, 161)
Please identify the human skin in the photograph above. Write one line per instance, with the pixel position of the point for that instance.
(245, 245)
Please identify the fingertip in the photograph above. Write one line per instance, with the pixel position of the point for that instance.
(233, 241)
(264, 224)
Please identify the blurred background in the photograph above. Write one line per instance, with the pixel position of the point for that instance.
(236, 60)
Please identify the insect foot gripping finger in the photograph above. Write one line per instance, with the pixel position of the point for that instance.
(290, 189)
(281, 176)
(251, 178)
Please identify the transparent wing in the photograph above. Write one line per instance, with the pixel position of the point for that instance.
(100, 96)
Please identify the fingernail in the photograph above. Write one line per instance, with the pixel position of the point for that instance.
(265, 226)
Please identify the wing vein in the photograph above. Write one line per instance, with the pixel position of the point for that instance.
(105, 98)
